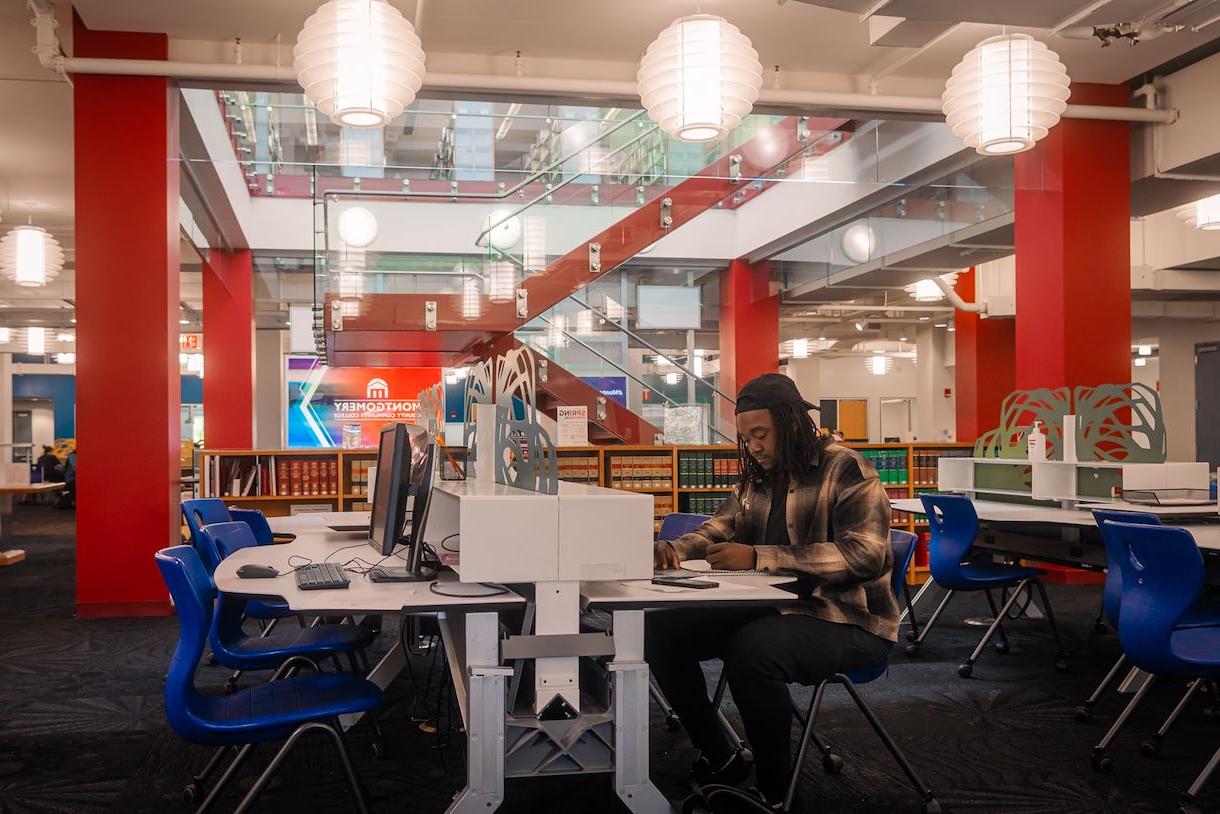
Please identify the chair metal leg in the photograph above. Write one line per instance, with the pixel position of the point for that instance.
(191, 792)
(1200, 781)
(265, 777)
(739, 745)
(909, 613)
(913, 647)
(228, 775)
(671, 717)
(1002, 647)
(1100, 760)
(806, 733)
(1085, 711)
(967, 669)
(830, 761)
(351, 660)
(922, 788)
(1062, 664)
(345, 759)
(1152, 746)
(1099, 621)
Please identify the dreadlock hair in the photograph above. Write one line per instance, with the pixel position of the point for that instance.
(797, 441)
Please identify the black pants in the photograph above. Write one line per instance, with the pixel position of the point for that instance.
(763, 651)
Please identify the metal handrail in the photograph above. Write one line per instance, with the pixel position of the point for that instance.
(629, 374)
(655, 350)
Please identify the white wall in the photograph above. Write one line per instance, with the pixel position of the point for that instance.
(269, 360)
(846, 378)
(1176, 372)
(6, 400)
(935, 415)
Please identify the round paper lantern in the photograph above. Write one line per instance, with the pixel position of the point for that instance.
(859, 242)
(1204, 214)
(29, 256)
(699, 77)
(1005, 94)
(357, 226)
(879, 365)
(359, 62)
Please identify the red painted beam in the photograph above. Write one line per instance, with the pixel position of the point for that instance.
(985, 352)
(749, 327)
(228, 349)
(127, 382)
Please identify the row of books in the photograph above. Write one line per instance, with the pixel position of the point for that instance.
(578, 468)
(706, 470)
(271, 476)
(896, 517)
(640, 472)
(891, 464)
(704, 504)
(360, 475)
(924, 463)
(661, 506)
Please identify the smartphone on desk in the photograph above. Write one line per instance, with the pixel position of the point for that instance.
(684, 582)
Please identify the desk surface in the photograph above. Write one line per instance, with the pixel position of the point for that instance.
(316, 543)
(642, 594)
(28, 488)
(1207, 536)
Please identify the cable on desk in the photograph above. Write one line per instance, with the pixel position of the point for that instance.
(497, 592)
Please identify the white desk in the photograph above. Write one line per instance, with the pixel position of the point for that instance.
(642, 594)
(1207, 535)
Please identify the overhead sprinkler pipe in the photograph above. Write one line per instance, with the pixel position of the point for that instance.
(955, 298)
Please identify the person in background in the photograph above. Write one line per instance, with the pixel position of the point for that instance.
(49, 466)
(803, 504)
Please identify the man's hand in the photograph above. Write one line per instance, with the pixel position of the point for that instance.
(664, 556)
(730, 556)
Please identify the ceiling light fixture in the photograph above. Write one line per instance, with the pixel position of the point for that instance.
(879, 365)
(357, 226)
(1140, 361)
(65, 358)
(359, 62)
(557, 332)
(1204, 214)
(699, 77)
(6, 335)
(800, 348)
(36, 341)
(859, 242)
(29, 256)
(859, 326)
(472, 305)
(501, 280)
(1005, 94)
(65, 337)
(1145, 350)
(501, 230)
(673, 377)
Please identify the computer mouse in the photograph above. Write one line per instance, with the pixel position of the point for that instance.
(252, 571)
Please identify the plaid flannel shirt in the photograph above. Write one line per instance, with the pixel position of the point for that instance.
(838, 533)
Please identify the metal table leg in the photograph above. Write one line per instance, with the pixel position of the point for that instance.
(631, 781)
(485, 728)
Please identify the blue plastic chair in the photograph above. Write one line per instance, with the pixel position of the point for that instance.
(288, 708)
(1202, 612)
(954, 525)
(235, 649)
(198, 513)
(1111, 596)
(1159, 627)
(903, 544)
(257, 521)
(676, 524)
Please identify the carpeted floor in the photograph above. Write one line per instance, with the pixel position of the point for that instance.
(82, 727)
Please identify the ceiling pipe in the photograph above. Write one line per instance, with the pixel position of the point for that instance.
(958, 303)
(50, 55)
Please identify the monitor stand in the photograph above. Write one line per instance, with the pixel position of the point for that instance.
(414, 573)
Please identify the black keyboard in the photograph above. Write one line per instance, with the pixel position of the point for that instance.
(320, 576)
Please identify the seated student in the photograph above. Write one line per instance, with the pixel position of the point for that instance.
(804, 504)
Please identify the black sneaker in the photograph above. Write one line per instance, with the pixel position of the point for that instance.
(731, 773)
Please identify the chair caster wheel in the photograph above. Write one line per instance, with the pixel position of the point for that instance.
(911, 636)
(1001, 648)
(832, 763)
(1150, 748)
(1102, 763)
(746, 755)
(1063, 666)
(230, 687)
(212, 659)
(1083, 714)
(1100, 627)
(191, 793)
(1211, 713)
(931, 807)
(672, 723)
(965, 670)
(913, 651)
(1187, 808)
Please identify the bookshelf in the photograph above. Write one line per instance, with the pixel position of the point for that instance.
(686, 479)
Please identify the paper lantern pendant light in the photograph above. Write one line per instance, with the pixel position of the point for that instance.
(359, 62)
(1203, 214)
(1005, 94)
(29, 256)
(699, 77)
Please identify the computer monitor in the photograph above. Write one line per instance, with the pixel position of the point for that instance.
(390, 489)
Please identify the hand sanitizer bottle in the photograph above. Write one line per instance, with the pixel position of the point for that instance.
(1036, 443)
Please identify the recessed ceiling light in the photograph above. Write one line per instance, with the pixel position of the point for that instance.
(184, 322)
(939, 324)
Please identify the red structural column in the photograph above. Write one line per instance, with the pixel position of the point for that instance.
(749, 325)
(1073, 244)
(127, 382)
(228, 350)
(984, 350)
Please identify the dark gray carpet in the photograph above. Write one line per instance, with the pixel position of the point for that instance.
(82, 727)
